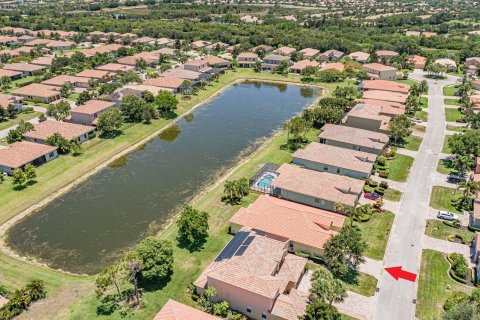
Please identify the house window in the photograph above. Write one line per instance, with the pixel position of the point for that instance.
(322, 140)
(317, 200)
(322, 202)
(338, 170)
(51, 154)
(264, 316)
(249, 309)
(325, 168)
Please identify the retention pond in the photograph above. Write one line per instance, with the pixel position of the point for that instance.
(95, 223)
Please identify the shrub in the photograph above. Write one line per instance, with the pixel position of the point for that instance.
(302, 254)
(373, 183)
(384, 184)
(459, 265)
(92, 135)
(383, 174)
(381, 161)
(367, 188)
(28, 109)
(380, 191)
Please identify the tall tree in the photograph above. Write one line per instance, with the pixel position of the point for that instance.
(59, 111)
(321, 311)
(192, 226)
(325, 288)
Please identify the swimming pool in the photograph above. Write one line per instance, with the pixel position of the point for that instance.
(265, 182)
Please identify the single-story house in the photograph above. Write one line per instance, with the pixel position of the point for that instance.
(25, 68)
(285, 51)
(360, 57)
(24, 51)
(173, 310)
(368, 117)
(298, 67)
(385, 85)
(166, 52)
(316, 188)
(43, 130)
(9, 53)
(43, 61)
(450, 64)
(262, 47)
(115, 67)
(254, 271)
(307, 228)
(251, 19)
(192, 76)
(6, 40)
(172, 84)
(353, 138)
(418, 61)
(384, 56)
(472, 61)
(38, 42)
(87, 114)
(26, 38)
(145, 40)
(216, 46)
(309, 53)
(18, 154)
(58, 81)
(333, 66)
(60, 45)
(385, 95)
(331, 55)
(197, 66)
(380, 71)
(271, 61)
(199, 44)
(42, 92)
(217, 62)
(6, 100)
(117, 96)
(247, 59)
(96, 74)
(336, 160)
(13, 75)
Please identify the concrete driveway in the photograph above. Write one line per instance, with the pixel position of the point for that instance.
(395, 299)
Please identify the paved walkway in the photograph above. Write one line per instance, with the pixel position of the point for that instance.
(4, 132)
(357, 306)
(395, 299)
(372, 267)
(407, 152)
(446, 246)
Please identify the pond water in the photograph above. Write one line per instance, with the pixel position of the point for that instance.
(95, 223)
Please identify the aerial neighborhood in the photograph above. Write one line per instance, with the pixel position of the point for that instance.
(259, 174)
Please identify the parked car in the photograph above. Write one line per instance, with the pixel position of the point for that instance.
(456, 179)
(372, 195)
(445, 215)
(416, 120)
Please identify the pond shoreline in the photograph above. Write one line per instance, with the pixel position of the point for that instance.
(4, 247)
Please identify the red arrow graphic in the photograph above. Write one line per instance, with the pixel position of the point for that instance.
(398, 273)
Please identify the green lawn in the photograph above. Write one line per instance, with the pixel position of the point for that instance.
(411, 143)
(453, 114)
(346, 317)
(399, 167)
(441, 199)
(424, 102)
(432, 285)
(392, 195)
(438, 229)
(445, 167)
(446, 148)
(366, 285)
(449, 90)
(21, 116)
(422, 115)
(407, 81)
(451, 102)
(375, 232)
(456, 128)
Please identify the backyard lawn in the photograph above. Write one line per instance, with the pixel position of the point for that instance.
(392, 195)
(445, 166)
(449, 90)
(438, 229)
(411, 143)
(375, 232)
(399, 167)
(432, 285)
(446, 148)
(424, 102)
(441, 199)
(422, 115)
(451, 102)
(366, 285)
(453, 114)
(21, 116)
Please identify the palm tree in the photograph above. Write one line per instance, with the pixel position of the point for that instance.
(470, 188)
(356, 212)
(423, 86)
(230, 191)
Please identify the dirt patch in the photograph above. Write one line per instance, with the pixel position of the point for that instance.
(56, 306)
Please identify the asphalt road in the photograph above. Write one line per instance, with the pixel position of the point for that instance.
(395, 299)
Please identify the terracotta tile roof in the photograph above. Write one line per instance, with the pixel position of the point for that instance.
(24, 67)
(64, 78)
(36, 42)
(24, 50)
(165, 82)
(10, 53)
(378, 67)
(354, 136)
(249, 262)
(128, 60)
(321, 185)
(143, 87)
(417, 59)
(385, 95)
(53, 44)
(69, 131)
(309, 52)
(115, 67)
(449, 63)
(6, 99)
(182, 73)
(249, 55)
(94, 74)
(290, 306)
(359, 56)
(333, 53)
(167, 51)
(385, 85)
(174, 310)
(369, 112)
(20, 153)
(276, 57)
(9, 73)
(290, 220)
(7, 39)
(285, 50)
(300, 65)
(358, 161)
(386, 53)
(213, 60)
(92, 107)
(263, 47)
(334, 65)
(37, 90)
(383, 103)
(43, 61)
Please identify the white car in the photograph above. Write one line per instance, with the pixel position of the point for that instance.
(416, 120)
(445, 215)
